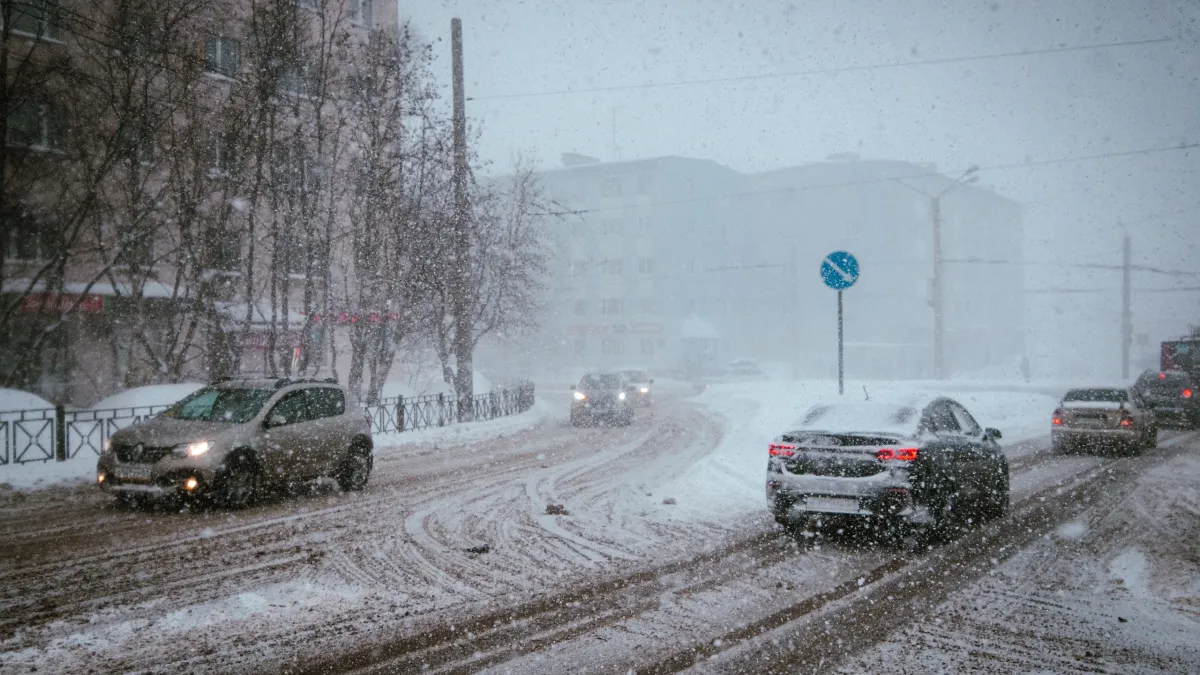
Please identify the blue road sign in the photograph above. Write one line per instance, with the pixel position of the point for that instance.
(839, 270)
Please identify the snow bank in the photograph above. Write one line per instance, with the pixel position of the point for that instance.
(731, 478)
(15, 399)
(152, 395)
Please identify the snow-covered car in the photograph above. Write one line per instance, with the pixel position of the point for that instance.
(1111, 419)
(1173, 395)
(906, 468)
(602, 397)
(641, 382)
(234, 439)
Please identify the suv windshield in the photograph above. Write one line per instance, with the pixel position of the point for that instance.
(637, 375)
(220, 405)
(600, 382)
(1097, 395)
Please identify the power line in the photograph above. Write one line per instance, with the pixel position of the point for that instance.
(890, 65)
(876, 181)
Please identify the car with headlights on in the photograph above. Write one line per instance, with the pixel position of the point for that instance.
(641, 383)
(1107, 419)
(229, 442)
(602, 397)
(904, 469)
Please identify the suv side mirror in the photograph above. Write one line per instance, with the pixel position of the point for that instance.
(990, 434)
(276, 421)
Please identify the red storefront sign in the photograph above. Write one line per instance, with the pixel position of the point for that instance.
(58, 303)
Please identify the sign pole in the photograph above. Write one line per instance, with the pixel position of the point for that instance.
(841, 359)
(839, 271)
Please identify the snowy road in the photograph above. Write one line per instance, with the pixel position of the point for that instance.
(448, 563)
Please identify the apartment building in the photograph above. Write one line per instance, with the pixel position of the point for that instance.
(685, 264)
(105, 204)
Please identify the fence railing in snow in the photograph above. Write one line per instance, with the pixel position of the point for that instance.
(58, 434)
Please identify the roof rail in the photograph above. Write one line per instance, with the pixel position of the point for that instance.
(286, 381)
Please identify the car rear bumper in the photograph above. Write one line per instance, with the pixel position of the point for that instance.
(1100, 435)
(1173, 415)
(887, 495)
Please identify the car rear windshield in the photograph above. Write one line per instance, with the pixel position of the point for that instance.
(600, 382)
(1097, 395)
(1168, 383)
(637, 375)
(220, 405)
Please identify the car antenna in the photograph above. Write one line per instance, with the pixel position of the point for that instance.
(866, 393)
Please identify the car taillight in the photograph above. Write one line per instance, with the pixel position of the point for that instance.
(1057, 417)
(1187, 393)
(902, 454)
(781, 450)
(1126, 421)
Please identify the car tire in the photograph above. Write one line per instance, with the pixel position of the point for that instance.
(998, 501)
(355, 469)
(948, 521)
(238, 482)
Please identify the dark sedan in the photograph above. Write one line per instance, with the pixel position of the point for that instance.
(905, 468)
(1172, 396)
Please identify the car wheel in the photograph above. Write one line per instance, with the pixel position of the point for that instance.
(997, 502)
(948, 517)
(355, 470)
(238, 483)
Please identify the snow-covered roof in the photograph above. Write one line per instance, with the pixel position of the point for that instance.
(696, 328)
(15, 399)
(888, 417)
(150, 289)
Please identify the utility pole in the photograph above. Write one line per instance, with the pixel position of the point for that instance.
(1126, 309)
(794, 285)
(460, 269)
(939, 354)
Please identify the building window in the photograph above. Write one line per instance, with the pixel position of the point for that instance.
(27, 240)
(221, 55)
(610, 306)
(226, 252)
(614, 266)
(361, 12)
(41, 19)
(643, 184)
(612, 347)
(645, 265)
(135, 248)
(647, 346)
(137, 143)
(647, 305)
(39, 126)
(611, 187)
(580, 346)
(222, 154)
(580, 307)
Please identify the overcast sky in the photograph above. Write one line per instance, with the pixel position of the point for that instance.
(992, 112)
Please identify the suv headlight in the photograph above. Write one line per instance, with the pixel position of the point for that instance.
(621, 396)
(192, 449)
(645, 390)
(579, 396)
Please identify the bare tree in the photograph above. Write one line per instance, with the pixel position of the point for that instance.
(509, 253)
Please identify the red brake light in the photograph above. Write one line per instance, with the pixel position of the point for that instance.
(781, 450)
(902, 454)
(1162, 376)
(1058, 416)
(1187, 393)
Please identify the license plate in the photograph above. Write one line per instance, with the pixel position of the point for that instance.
(831, 505)
(1090, 423)
(139, 472)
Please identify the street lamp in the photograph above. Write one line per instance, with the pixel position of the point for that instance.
(971, 175)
